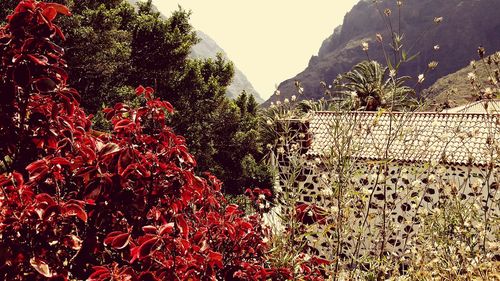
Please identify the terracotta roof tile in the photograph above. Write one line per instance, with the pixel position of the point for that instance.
(410, 137)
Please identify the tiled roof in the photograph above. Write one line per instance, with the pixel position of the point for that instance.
(411, 137)
(482, 106)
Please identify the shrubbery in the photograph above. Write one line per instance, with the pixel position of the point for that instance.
(124, 205)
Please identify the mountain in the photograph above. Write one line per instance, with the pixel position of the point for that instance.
(208, 48)
(466, 25)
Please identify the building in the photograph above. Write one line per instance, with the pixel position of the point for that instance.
(390, 171)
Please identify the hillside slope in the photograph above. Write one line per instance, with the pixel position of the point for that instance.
(208, 48)
(466, 25)
(455, 89)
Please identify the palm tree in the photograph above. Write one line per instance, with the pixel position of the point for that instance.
(371, 87)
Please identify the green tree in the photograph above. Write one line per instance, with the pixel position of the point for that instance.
(243, 155)
(372, 86)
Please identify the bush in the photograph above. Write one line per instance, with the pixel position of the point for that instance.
(78, 204)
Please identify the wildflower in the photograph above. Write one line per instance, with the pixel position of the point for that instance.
(471, 76)
(433, 64)
(317, 160)
(301, 90)
(421, 78)
(488, 91)
(432, 178)
(281, 150)
(392, 73)
(388, 12)
(416, 183)
(278, 103)
(277, 92)
(269, 122)
(399, 3)
(286, 100)
(261, 206)
(436, 47)
(307, 257)
(262, 197)
(438, 20)
(354, 95)
(269, 146)
(476, 184)
(302, 135)
(309, 213)
(379, 37)
(365, 46)
(294, 98)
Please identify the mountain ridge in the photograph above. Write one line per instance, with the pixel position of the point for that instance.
(466, 25)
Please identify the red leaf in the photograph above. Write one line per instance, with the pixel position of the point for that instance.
(109, 148)
(167, 228)
(149, 91)
(140, 90)
(100, 273)
(60, 161)
(215, 258)
(231, 210)
(45, 198)
(18, 178)
(183, 226)
(120, 241)
(111, 236)
(49, 13)
(146, 248)
(61, 9)
(59, 32)
(73, 209)
(38, 59)
(150, 229)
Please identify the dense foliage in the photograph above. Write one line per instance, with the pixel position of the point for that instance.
(124, 205)
(111, 47)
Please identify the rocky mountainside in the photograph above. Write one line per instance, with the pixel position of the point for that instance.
(466, 25)
(455, 89)
(208, 48)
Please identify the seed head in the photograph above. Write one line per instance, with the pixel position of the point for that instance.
(433, 64)
(365, 46)
(421, 78)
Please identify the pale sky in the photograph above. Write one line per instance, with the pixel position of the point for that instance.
(268, 40)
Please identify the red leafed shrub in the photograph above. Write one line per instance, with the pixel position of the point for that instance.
(78, 204)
